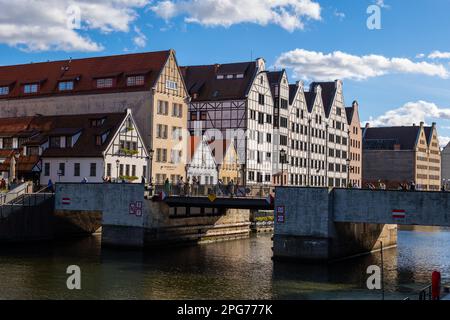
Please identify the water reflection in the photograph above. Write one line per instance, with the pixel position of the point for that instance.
(230, 270)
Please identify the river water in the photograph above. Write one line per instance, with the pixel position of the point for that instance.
(241, 269)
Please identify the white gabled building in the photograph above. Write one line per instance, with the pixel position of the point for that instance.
(298, 136)
(201, 163)
(316, 139)
(72, 148)
(280, 91)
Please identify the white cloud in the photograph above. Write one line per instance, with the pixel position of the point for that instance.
(289, 14)
(140, 40)
(439, 55)
(420, 56)
(43, 25)
(444, 141)
(413, 113)
(410, 113)
(339, 65)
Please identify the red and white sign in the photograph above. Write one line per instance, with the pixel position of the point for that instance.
(398, 214)
(136, 208)
(281, 214)
(66, 201)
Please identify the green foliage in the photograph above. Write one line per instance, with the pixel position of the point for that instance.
(128, 152)
(129, 178)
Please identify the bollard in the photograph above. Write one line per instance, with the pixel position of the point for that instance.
(436, 285)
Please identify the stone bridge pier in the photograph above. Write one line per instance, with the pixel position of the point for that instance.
(322, 224)
(305, 228)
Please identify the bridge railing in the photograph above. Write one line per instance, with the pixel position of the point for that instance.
(219, 190)
(23, 202)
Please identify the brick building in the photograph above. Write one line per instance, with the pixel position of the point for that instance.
(398, 155)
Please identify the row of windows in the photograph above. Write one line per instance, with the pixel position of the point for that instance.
(299, 180)
(355, 144)
(76, 169)
(336, 153)
(163, 109)
(69, 85)
(336, 167)
(162, 156)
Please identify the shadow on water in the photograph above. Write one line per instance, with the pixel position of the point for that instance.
(241, 269)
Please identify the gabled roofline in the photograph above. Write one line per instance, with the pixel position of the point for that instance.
(127, 114)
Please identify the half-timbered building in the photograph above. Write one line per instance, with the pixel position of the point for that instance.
(234, 102)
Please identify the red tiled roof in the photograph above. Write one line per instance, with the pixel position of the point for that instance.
(83, 71)
(69, 125)
(14, 126)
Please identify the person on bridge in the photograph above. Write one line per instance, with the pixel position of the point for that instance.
(187, 187)
(50, 185)
(231, 188)
(180, 187)
(167, 187)
(412, 186)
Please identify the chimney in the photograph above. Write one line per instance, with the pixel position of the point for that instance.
(367, 125)
(433, 124)
(422, 124)
(216, 67)
(261, 64)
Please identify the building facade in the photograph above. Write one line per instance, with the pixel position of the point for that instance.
(402, 155)
(234, 102)
(74, 148)
(150, 84)
(354, 146)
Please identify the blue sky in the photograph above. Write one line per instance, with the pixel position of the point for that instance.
(390, 71)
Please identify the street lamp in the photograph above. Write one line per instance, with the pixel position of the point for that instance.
(117, 170)
(283, 159)
(348, 172)
(151, 152)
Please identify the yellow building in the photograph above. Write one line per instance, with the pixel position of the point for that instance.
(150, 84)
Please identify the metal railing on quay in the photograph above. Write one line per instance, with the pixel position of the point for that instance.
(219, 190)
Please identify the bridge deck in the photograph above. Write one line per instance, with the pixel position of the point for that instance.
(220, 203)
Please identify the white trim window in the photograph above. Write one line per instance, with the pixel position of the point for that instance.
(4, 91)
(104, 83)
(134, 81)
(31, 88)
(65, 86)
(171, 85)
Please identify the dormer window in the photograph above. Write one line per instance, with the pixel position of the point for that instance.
(65, 86)
(230, 76)
(133, 81)
(240, 76)
(220, 77)
(55, 142)
(95, 123)
(4, 91)
(98, 140)
(31, 88)
(104, 83)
